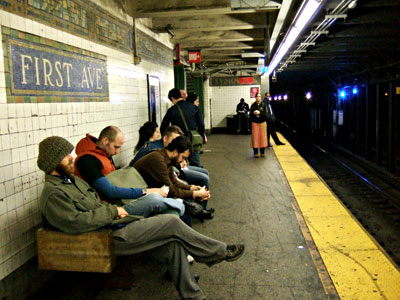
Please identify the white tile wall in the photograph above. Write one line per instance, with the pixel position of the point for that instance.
(23, 126)
(224, 100)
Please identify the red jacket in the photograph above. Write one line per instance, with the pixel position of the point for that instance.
(87, 146)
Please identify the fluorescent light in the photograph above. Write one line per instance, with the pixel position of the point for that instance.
(307, 12)
(251, 54)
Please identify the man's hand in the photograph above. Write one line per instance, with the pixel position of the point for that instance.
(256, 112)
(202, 193)
(195, 187)
(183, 164)
(159, 191)
(121, 213)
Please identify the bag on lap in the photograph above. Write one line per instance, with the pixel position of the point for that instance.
(127, 177)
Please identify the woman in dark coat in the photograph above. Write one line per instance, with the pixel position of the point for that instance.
(258, 118)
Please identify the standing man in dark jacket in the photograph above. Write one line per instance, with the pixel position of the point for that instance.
(69, 204)
(193, 118)
(271, 119)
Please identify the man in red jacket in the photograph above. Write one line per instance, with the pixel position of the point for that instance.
(94, 162)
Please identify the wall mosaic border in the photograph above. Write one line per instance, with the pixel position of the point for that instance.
(152, 50)
(81, 18)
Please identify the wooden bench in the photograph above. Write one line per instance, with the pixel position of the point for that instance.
(86, 252)
(91, 252)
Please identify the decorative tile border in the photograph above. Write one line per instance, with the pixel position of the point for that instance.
(84, 19)
(54, 50)
(154, 51)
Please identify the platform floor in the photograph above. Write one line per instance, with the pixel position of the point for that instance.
(255, 204)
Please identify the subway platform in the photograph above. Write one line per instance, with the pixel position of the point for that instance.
(301, 243)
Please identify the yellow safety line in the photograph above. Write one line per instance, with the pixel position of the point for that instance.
(359, 268)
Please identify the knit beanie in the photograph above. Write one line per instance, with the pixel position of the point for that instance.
(52, 151)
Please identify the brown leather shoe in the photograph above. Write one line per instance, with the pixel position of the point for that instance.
(256, 155)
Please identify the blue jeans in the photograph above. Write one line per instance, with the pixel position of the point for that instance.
(149, 205)
(194, 158)
(197, 176)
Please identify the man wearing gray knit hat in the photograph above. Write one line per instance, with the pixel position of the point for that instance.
(52, 151)
(69, 204)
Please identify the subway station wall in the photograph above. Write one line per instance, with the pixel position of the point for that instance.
(26, 119)
(224, 100)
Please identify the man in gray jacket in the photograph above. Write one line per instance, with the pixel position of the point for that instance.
(71, 205)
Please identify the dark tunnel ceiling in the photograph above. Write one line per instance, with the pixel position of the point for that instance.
(360, 45)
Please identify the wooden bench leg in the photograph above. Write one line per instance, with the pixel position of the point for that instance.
(120, 278)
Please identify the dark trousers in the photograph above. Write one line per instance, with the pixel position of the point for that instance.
(271, 132)
(240, 120)
(255, 150)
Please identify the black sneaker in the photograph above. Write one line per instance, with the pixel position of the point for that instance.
(234, 252)
(210, 210)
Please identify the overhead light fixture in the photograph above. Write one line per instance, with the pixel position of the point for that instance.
(285, 97)
(251, 54)
(308, 95)
(306, 13)
(352, 4)
(355, 91)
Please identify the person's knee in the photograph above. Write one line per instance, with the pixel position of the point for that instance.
(153, 197)
(169, 218)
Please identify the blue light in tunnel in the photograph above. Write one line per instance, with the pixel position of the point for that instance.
(308, 95)
(342, 94)
(355, 91)
(285, 97)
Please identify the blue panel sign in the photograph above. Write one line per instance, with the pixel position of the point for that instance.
(40, 70)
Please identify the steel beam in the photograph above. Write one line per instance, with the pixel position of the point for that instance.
(378, 137)
(392, 130)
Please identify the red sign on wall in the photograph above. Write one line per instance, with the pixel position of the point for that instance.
(194, 57)
(246, 80)
(254, 91)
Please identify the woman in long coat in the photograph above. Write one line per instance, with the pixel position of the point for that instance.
(258, 118)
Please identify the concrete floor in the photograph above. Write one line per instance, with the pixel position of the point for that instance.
(253, 206)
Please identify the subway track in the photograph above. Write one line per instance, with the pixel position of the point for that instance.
(373, 199)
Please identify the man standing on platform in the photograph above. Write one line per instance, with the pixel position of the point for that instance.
(271, 122)
(192, 117)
